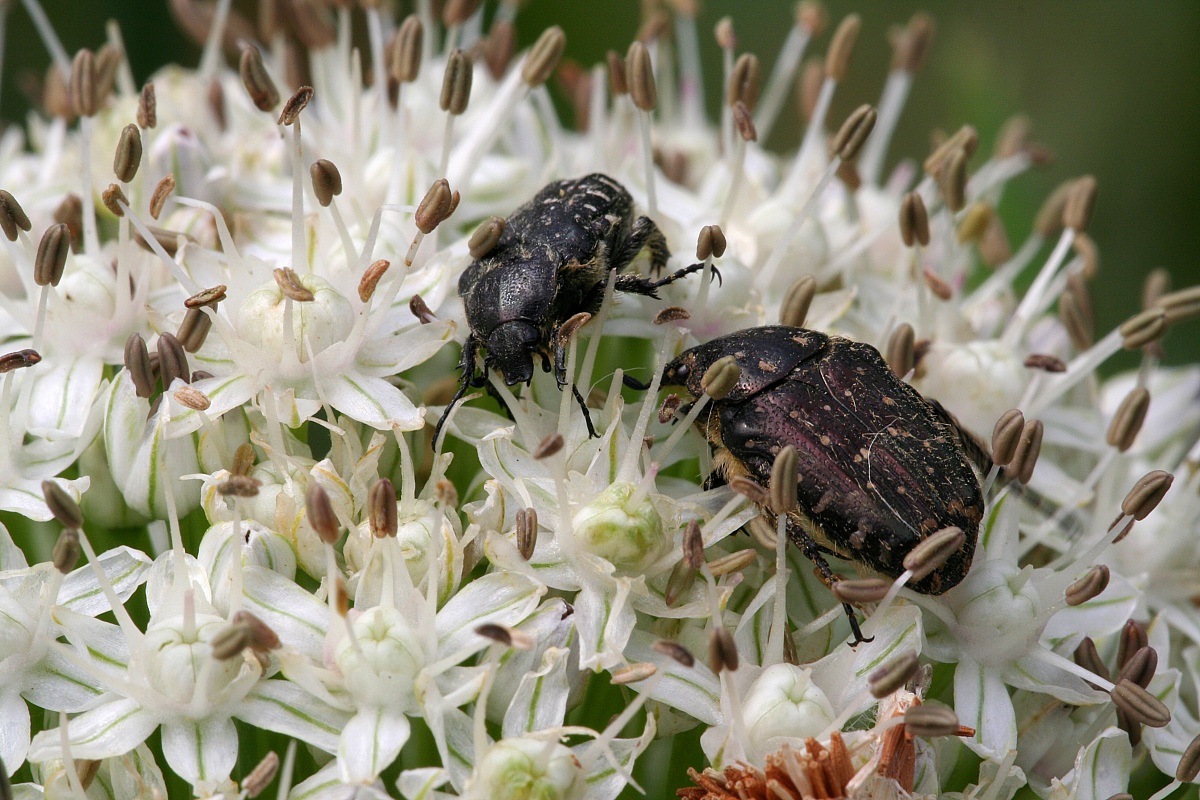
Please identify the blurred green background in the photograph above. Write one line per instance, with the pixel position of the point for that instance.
(1113, 89)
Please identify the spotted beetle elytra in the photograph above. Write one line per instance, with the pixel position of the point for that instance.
(879, 467)
(552, 261)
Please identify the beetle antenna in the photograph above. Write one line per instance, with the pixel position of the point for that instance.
(634, 383)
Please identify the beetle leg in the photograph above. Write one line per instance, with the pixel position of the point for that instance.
(467, 365)
(587, 417)
(812, 551)
(645, 233)
(636, 284)
(560, 374)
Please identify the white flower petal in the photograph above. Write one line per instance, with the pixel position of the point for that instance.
(540, 701)
(203, 752)
(296, 616)
(498, 597)
(125, 568)
(372, 401)
(11, 557)
(110, 730)
(14, 733)
(693, 690)
(63, 396)
(981, 701)
(1102, 768)
(284, 707)
(370, 742)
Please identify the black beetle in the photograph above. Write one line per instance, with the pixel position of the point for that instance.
(880, 468)
(551, 262)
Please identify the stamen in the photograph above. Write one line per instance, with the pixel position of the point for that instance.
(837, 63)
(810, 21)
(257, 81)
(644, 94)
(910, 48)
(456, 92)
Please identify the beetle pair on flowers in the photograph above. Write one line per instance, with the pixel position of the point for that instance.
(879, 467)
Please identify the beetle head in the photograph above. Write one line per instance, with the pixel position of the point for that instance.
(510, 349)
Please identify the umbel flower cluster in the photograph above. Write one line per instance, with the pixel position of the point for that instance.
(237, 556)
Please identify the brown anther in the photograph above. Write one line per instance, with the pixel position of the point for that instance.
(326, 181)
(66, 552)
(193, 330)
(295, 104)
(912, 45)
(654, 25)
(797, 301)
(567, 331)
(263, 638)
(1006, 436)
(900, 354)
(847, 172)
(1081, 200)
(975, 222)
(258, 83)
(381, 509)
(671, 314)
(1140, 705)
(893, 676)
(456, 12)
(937, 284)
(1146, 494)
(1075, 319)
(486, 237)
(543, 56)
(229, 642)
(711, 243)
(437, 205)
(321, 516)
(527, 531)
(420, 310)
(137, 362)
(192, 398)
(679, 583)
(1049, 219)
(640, 74)
(161, 192)
(289, 283)
(965, 138)
(841, 47)
(549, 446)
(1013, 138)
(994, 247)
(498, 47)
(1143, 328)
(12, 216)
(1087, 657)
(849, 139)
(952, 180)
(1140, 667)
(1089, 586)
(633, 673)
(147, 109)
(745, 82)
(931, 719)
(20, 359)
(261, 776)
(750, 489)
(405, 64)
(172, 359)
(114, 198)
(128, 155)
(722, 650)
(808, 88)
(239, 486)
(617, 81)
(1029, 446)
(341, 598)
(62, 505)
(206, 297)
(784, 480)
(1045, 363)
(693, 545)
(1155, 287)
(670, 405)
(505, 636)
(370, 279)
(811, 16)
(743, 123)
(215, 100)
(720, 378)
(243, 460)
(933, 551)
(1133, 638)
(1189, 765)
(51, 258)
(1181, 305)
(445, 492)
(724, 34)
(1127, 422)
(1089, 254)
(456, 83)
(82, 85)
(914, 221)
(732, 562)
(200, 375)
(857, 591)
(674, 651)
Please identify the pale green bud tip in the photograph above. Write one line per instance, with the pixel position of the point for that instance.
(627, 533)
(785, 702)
(527, 769)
